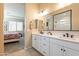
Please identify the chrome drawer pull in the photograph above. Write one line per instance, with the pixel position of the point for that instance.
(61, 49)
(64, 50)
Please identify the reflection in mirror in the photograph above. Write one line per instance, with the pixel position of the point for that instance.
(62, 21)
(49, 23)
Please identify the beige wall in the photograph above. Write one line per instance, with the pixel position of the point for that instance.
(1, 30)
(31, 14)
(51, 7)
(48, 6)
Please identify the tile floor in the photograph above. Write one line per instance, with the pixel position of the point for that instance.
(13, 49)
(28, 52)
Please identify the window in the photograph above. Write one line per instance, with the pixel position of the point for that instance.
(19, 26)
(15, 26)
(12, 26)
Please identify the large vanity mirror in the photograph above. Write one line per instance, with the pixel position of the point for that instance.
(62, 21)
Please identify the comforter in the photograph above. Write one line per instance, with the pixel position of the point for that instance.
(8, 36)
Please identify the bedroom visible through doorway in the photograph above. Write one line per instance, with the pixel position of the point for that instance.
(14, 27)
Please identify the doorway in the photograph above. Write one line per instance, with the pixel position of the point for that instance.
(14, 18)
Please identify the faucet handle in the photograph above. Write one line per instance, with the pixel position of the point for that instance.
(63, 35)
(72, 36)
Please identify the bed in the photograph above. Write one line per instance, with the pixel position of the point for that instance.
(11, 37)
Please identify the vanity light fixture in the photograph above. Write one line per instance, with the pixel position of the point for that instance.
(43, 12)
(63, 4)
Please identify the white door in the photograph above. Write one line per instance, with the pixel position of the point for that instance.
(55, 49)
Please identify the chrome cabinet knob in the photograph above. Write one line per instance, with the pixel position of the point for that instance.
(61, 49)
(64, 50)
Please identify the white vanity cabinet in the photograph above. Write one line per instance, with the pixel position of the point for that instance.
(41, 44)
(50, 46)
(60, 48)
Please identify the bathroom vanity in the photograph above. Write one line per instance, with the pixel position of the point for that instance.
(51, 45)
(55, 45)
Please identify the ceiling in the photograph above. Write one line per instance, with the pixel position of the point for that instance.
(16, 10)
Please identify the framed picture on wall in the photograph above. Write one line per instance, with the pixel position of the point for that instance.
(36, 23)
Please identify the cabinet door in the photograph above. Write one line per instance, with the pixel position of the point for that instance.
(45, 46)
(55, 49)
(38, 42)
(33, 41)
(41, 38)
(70, 52)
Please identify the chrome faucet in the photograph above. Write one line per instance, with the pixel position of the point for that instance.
(49, 33)
(68, 35)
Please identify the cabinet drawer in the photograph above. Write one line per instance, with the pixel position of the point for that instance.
(45, 46)
(58, 41)
(44, 51)
(44, 43)
(45, 39)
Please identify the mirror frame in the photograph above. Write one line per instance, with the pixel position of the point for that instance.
(70, 20)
